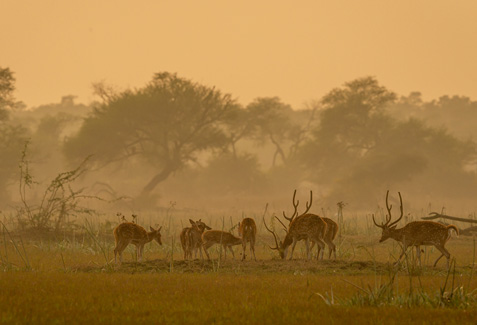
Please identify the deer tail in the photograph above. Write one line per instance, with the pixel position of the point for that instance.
(450, 227)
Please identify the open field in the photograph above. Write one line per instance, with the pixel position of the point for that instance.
(69, 278)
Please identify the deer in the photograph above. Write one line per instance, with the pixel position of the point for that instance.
(330, 234)
(298, 231)
(416, 233)
(191, 238)
(248, 232)
(130, 233)
(226, 239)
(305, 226)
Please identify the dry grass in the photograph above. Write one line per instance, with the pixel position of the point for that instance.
(52, 297)
(70, 280)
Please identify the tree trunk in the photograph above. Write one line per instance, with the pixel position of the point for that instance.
(160, 177)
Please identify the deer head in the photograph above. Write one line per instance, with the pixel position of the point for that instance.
(389, 227)
(155, 234)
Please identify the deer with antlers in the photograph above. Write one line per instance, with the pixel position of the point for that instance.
(248, 232)
(416, 233)
(130, 233)
(305, 226)
(191, 238)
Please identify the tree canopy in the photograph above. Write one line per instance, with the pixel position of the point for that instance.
(165, 124)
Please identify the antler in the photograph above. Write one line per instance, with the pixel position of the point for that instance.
(380, 226)
(274, 236)
(295, 206)
(388, 217)
(402, 211)
(284, 227)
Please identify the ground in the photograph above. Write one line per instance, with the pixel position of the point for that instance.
(74, 280)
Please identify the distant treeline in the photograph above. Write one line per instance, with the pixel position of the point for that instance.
(176, 137)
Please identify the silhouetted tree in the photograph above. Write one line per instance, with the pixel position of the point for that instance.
(277, 123)
(12, 136)
(166, 124)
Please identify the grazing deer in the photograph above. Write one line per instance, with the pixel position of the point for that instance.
(330, 234)
(305, 226)
(308, 226)
(130, 233)
(226, 239)
(416, 233)
(191, 238)
(248, 231)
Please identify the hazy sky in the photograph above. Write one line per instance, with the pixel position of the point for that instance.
(297, 50)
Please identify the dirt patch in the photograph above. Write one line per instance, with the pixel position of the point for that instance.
(275, 266)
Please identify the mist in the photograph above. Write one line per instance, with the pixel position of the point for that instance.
(177, 141)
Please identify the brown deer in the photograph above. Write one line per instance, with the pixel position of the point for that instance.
(130, 233)
(305, 226)
(416, 233)
(330, 234)
(248, 232)
(226, 239)
(191, 238)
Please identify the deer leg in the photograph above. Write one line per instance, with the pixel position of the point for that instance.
(311, 248)
(233, 255)
(332, 248)
(307, 245)
(293, 248)
(321, 244)
(404, 249)
(120, 247)
(252, 249)
(444, 253)
(206, 246)
(244, 247)
(418, 255)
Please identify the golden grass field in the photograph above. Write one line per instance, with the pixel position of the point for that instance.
(70, 278)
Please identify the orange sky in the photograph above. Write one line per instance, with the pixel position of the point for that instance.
(297, 50)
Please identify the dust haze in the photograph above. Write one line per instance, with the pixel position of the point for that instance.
(229, 107)
(177, 142)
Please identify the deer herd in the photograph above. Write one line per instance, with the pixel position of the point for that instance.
(320, 231)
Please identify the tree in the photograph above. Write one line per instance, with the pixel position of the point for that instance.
(278, 123)
(359, 150)
(166, 124)
(7, 86)
(12, 137)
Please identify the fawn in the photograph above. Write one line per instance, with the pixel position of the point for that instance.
(191, 238)
(226, 239)
(248, 231)
(130, 233)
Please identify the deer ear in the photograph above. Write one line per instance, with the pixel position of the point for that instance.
(200, 220)
(192, 221)
(152, 229)
(159, 228)
(393, 227)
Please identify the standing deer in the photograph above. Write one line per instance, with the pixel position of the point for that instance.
(130, 233)
(248, 231)
(191, 238)
(226, 239)
(416, 233)
(330, 234)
